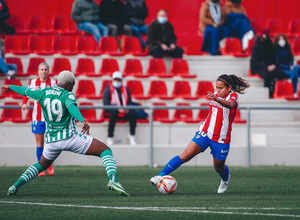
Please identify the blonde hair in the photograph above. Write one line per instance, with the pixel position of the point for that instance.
(64, 77)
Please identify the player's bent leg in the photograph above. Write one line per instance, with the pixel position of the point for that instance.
(223, 171)
(190, 151)
(96, 148)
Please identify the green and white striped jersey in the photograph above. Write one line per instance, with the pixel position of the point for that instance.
(54, 103)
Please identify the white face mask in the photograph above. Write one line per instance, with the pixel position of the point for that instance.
(116, 84)
(162, 20)
(281, 43)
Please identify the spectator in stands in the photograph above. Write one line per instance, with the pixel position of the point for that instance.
(113, 14)
(4, 15)
(118, 95)
(38, 121)
(10, 70)
(137, 12)
(263, 61)
(211, 24)
(237, 22)
(86, 15)
(285, 59)
(161, 38)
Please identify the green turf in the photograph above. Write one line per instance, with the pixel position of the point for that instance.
(250, 190)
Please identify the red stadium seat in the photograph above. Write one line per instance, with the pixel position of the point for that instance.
(132, 45)
(87, 45)
(136, 89)
(254, 75)
(275, 26)
(17, 61)
(162, 115)
(19, 23)
(233, 47)
(34, 62)
(16, 44)
(11, 93)
(109, 45)
(14, 115)
(296, 46)
(37, 25)
(284, 90)
(202, 88)
(64, 44)
(237, 118)
(202, 115)
(182, 90)
(89, 114)
(185, 115)
(59, 65)
(157, 67)
(294, 28)
(256, 25)
(40, 44)
(180, 67)
(86, 89)
(158, 89)
(104, 84)
(86, 67)
(61, 25)
(109, 66)
(133, 67)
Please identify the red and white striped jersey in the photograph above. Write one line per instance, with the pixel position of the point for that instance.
(37, 114)
(218, 123)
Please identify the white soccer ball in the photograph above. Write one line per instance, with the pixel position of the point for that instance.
(167, 185)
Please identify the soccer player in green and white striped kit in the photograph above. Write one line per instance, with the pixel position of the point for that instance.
(60, 111)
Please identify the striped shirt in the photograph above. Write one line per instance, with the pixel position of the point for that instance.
(218, 123)
(54, 104)
(37, 114)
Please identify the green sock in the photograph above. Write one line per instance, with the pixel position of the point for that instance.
(109, 163)
(29, 174)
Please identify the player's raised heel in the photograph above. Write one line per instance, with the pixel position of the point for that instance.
(224, 185)
(117, 187)
(12, 191)
(154, 180)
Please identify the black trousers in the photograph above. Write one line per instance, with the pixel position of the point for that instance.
(113, 117)
(159, 52)
(6, 28)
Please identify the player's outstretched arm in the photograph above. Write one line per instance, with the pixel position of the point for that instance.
(74, 111)
(18, 89)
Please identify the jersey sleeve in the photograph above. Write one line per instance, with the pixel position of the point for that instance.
(36, 94)
(70, 98)
(234, 97)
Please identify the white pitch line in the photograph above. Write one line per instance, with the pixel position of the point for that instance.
(166, 209)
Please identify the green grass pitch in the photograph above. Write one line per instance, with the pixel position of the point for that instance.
(81, 193)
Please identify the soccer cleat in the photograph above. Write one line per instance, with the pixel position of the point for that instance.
(12, 191)
(43, 173)
(50, 170)
(117, 187)
(154, 180)
(224, 185)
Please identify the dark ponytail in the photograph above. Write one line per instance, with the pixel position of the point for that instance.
(237, 84)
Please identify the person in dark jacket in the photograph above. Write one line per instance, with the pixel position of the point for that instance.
(137, 12)
(86, 15)
(4, 15)
(161, 38)
(113, 14)
(116, 94)
(263, 62)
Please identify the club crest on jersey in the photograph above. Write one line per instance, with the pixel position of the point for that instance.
(71, 96)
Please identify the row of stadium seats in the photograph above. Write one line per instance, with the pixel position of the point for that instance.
(86, 67)
(160, 115)
(71, 45)
(157, 89)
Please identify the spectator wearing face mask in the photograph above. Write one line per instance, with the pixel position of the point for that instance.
(237, 22)
(161, 38)
(285, 59)
(116, 94)
(211, 24)
(263, 61)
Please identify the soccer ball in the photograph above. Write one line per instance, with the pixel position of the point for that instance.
(167, 185)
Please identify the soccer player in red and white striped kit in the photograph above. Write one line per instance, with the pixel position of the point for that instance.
(38, 120)
(215, 131)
